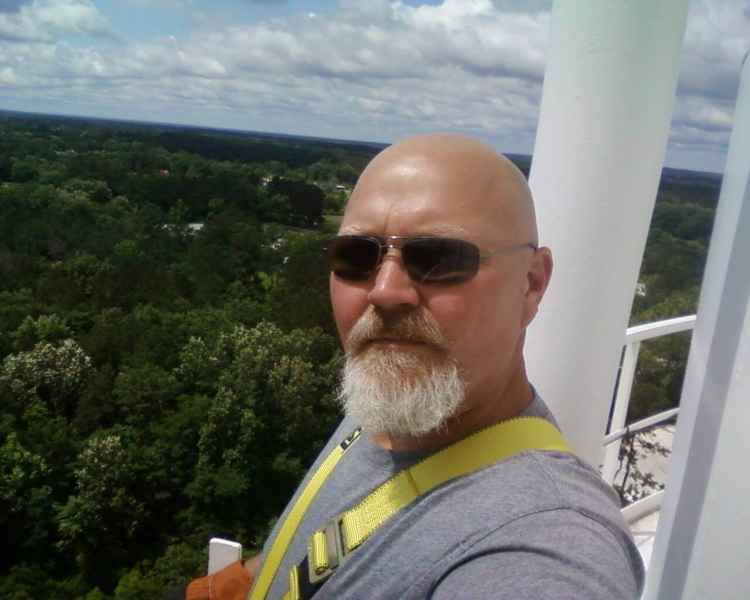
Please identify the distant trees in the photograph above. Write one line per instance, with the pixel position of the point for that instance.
(671, 271)
(670, 275)
(305, 200)
(168, 358)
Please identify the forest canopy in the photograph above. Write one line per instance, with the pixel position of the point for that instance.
(168, 360)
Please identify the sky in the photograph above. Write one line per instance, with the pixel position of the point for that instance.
(373, 70)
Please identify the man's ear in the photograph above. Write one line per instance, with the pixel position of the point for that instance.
(538, 275)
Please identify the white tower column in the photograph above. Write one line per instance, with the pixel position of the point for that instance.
(607, 101)
(701, 549)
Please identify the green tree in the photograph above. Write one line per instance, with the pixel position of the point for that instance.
(25, 497)
(273, 404)
(45, 328)
(53, 374)
(101, 522)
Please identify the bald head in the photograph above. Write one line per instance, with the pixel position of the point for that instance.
(466, 174)
(453, 187)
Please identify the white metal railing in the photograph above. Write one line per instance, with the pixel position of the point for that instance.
(613, 436)
(617, 429)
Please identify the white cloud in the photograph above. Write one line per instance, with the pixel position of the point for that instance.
(162, 3)
(381, 69)
(71, 16)
(46, 20)
(717, 37)
(369, 70)
(7, 76)
(524, 6)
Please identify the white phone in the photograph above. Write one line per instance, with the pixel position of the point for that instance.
(222, 553)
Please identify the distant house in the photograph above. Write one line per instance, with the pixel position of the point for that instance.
(191, 227)
(164, 172)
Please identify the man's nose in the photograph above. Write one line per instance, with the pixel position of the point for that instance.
(393, 288)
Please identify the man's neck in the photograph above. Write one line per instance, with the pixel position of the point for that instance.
(477, 415)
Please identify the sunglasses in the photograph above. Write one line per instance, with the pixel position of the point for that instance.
(426, 259)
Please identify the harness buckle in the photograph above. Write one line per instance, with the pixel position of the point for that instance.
(351, 439)
(325, 551)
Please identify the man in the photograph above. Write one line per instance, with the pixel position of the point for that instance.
(433, 331)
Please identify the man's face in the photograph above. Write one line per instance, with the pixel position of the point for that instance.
(478, 323)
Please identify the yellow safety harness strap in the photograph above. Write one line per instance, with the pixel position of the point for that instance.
(329, 546)
(294, 518)
(473, 453)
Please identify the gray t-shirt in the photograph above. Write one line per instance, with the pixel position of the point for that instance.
(539, 525)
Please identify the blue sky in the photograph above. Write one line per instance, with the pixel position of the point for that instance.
(355, 69)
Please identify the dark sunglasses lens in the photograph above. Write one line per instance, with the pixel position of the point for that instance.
(439, 260)
(353, 257)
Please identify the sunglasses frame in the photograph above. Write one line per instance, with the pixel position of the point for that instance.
(397, 242)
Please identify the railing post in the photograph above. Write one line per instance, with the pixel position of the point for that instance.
(620, 413)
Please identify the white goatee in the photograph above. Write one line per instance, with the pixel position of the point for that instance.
(406, 390)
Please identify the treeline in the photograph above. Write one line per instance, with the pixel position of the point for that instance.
(670, 280)
(168, 360)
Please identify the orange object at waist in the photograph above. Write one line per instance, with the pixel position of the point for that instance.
(230, 583)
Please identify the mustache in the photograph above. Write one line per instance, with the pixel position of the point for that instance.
(414, 326)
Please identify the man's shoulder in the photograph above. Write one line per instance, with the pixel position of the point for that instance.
(537, 511)
(559, 553)
(529, 482)
(541, 482)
